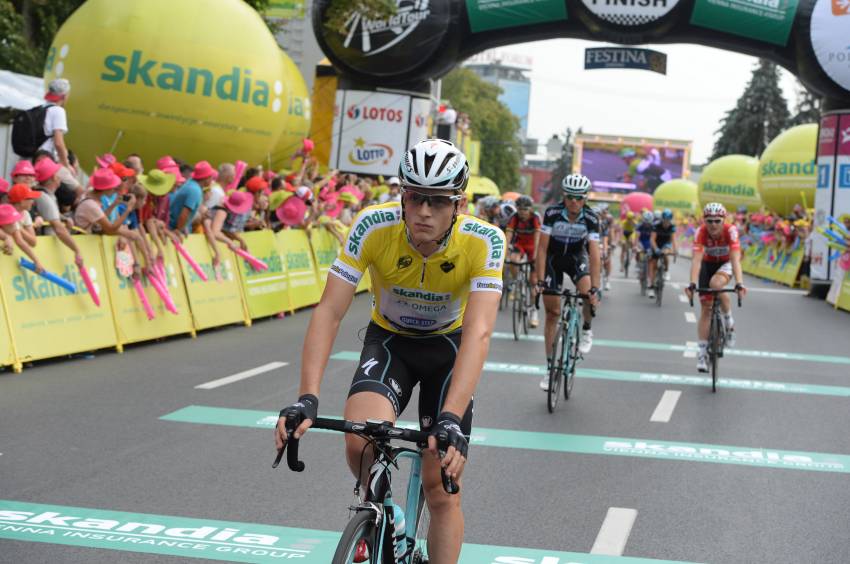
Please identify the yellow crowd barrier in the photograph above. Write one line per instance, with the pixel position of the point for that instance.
(266, 292)
(325, 250)
(773, 263)
(844, 295)
(294, 247)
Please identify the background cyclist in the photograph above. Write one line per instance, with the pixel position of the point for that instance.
(642, 241)
(523, 234)
(663, 241)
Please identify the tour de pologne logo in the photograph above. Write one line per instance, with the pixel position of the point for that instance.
(634, 13)
(376, 36)
(364, 153)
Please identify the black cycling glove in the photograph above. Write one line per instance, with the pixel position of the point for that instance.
(307, 407)
(448, 433)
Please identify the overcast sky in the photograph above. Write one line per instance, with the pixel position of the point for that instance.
(688, 103)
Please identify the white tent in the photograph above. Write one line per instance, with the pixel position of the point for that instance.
(17, 92)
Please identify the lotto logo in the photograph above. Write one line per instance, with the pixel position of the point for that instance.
(841, 7)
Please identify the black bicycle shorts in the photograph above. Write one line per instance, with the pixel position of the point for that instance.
(707, 270)
(576, 266)
(391, 365)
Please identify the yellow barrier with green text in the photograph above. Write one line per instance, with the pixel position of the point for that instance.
(7, 356)
(773, 264)
(218, 301)
(266, 292)
(131, 322)
(844, 296)
(45, 319)
(325, 250)
(294, 247)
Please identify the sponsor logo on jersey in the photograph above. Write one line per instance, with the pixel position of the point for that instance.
(491, 235)
(421, 295)
(366, 222)
(342, 270)
(418, 322)
(447, 267)
(404, 262)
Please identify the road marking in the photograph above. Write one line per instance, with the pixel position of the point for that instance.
(691, 349)
(222, 540)
(558, 442)
(644, 345)
(664, 410)
(649, 377)
(690, 317)
(676, 285)
(241, 375)
(683, 298)
(615, 531)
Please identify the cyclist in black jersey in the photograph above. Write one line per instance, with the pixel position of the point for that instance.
(663, 242)
(569, 244)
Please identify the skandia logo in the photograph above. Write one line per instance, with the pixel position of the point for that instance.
(365, 224)
(773, 168)
(239, 85)
(375, 113)
(490, 234)
(33, 287)
(730, 189)
(423, 295)
(298, 261)
(365, 153)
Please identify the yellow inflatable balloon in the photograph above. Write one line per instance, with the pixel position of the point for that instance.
(295, 123)
(731, 180)
(678, 195)
(194, 79)
(787, 169)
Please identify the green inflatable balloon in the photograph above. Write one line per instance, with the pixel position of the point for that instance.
(678, 195)
(787, 171)
(192, 78)
(731, 180)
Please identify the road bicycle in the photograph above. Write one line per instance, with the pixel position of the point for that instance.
(660, 275)
(520, 297)
(717, 333)
(643, 262)
(565, 351)
(371, 535)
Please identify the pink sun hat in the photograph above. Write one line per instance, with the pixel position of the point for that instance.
(8, 214)
(105, 179)
(166, 162)
(308, 145)
(105, 160)
(291, 212)
(4, 186)
(239, 202)
(353, 190)
(23, 168)
(333, 207)
(204, 169)
(46, 169)
(175, 170)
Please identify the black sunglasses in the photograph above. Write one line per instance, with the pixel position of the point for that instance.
(714, 221)
(574, 198)
(433, 201)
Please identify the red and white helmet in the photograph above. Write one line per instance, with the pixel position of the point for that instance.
(714, 209)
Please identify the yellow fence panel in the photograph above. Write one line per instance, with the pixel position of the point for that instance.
(131, 321)
(45, 319)
(266, 292)
(218, 301)
(294, 246)
(325, 250)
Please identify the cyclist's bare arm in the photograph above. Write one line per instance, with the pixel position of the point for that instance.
(653, 242)
(321, 333)
(536, 245)
(541, 249)
(478, 322)
(735, 257)
(696, 263)
(595, 263)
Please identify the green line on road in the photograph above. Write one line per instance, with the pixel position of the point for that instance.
(668, 379)
(645, 345)
(224, 540)
(579, 444)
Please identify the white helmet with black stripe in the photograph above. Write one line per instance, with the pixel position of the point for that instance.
(434, 164)
(575, 185)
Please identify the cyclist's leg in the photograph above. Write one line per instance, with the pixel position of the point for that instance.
(445, 534)
(380, 390)
(651, 278)
(719, 281)
(552, 303)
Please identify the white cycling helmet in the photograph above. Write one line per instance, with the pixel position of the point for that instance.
(648, 217)
(714, 209)
(434, 164)
(488, 202)
(575, 185)
(507, 209)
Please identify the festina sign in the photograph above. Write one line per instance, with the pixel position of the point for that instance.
(625, 58)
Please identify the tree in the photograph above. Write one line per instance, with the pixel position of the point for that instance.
(808, 107)
(492, 123)
(27, 28)
(760, 114)
(563, 167)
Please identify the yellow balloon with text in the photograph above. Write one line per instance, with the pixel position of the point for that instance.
(295, 125)
(732, 181)
(194, 79)
(678, 195)
(787, 170)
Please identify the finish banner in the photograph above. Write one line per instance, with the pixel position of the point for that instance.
(625, 58)
(768, 21)
(486, 15)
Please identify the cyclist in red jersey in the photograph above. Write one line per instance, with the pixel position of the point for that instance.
(716, 258)
(523, 233)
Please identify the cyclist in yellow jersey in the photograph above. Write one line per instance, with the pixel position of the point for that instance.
(435, 273)
(628, 223)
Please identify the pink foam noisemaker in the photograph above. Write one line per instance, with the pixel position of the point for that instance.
(89, 286)
(255, 263)
(143, 298)
(160, 269)
(162, 292)
(240, 170)
(195, 266)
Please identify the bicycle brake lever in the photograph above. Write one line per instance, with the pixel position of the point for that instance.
(449, 484)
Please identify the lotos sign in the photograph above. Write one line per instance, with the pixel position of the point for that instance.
(195, 79)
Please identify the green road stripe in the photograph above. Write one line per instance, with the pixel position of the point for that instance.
(581, 444)
(668, 379)
(224, 540)
(644, 345)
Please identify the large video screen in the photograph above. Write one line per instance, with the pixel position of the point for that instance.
(617, 167)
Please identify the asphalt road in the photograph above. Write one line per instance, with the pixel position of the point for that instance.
(757, 472)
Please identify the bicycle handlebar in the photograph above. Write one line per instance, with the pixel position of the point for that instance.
(714, 291)
(371, 429)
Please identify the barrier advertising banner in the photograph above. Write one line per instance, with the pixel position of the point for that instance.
(294, 247)
(754, 19)
(131, 318)
(325, 249)
(47, 320)
(842, 165)
(266, 292)
(826, 158)
(486, 15)
(7, 356)
(218, 301)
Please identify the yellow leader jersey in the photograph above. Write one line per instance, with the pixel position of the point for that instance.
(413, 294)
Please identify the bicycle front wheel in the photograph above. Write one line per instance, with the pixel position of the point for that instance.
(517, 311)
(659, 284)
(360, 535)
(714, 350)
(423, 522)
(572, 356)
(556, 371)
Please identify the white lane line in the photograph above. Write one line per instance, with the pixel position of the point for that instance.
(683, 298)
(615, 531)
(691, 348)
(690, 317)
(676, 285)
(241, 375)
(664, 410)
